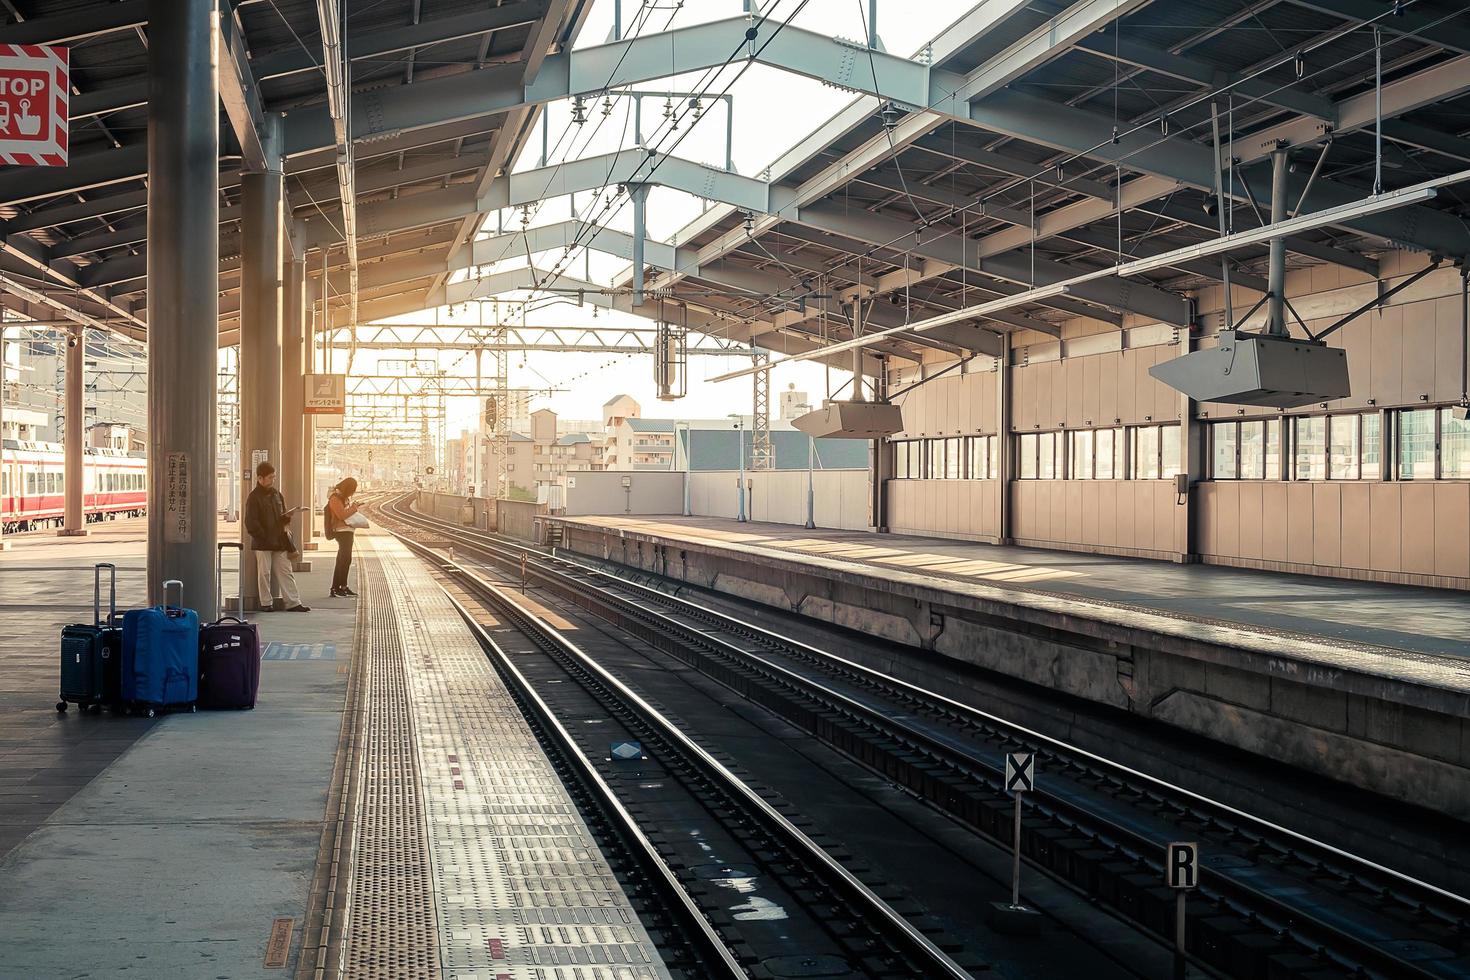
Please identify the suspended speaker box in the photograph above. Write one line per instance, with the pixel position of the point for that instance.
(1257, 369)
(851, 420)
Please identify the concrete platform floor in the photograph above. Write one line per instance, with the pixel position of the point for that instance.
(1421, 620)
(159, 848)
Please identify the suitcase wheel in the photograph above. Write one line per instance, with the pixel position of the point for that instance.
(152, 713)
(61, 706)
(193, 708)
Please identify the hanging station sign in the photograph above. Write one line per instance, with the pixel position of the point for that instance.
(35, 82)
(326, 394)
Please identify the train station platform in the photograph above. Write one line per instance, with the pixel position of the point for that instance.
(376, 786)
(1362, 682)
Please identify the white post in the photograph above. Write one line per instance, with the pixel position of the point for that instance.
(740, 428)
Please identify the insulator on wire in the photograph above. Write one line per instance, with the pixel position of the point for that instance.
(579, 110)
(607, 105)
(889, 114)
(1301, 65)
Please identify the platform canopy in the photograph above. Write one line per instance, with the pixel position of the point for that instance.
(1027, 143)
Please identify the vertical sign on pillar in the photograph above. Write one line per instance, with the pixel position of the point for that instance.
(178, 524)
(35, 92)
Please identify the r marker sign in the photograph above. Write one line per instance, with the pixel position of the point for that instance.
(34, 89)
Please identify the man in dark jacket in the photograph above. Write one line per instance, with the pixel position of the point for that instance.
(266, 521)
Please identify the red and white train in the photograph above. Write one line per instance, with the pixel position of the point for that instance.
(33, 484)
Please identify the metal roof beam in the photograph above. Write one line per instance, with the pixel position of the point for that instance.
(78, 25)
(1414, 21)
(1131, 52)
(237, 89)
(1174, 161)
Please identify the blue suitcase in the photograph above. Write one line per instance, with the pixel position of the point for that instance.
(160, 667)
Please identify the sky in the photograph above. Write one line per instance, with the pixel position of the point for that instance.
(772, 110)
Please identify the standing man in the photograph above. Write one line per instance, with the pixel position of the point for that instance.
(266, 521)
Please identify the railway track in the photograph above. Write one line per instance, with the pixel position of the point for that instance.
(1272, 902)
(864, 935)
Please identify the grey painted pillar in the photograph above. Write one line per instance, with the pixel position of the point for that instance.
(260, 326)
(307, 462)
(293, 387)
(1191, 464)
(639, 193)
(76, 429)
(183, 298)
(1004, 441)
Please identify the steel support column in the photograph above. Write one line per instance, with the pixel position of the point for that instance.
(1005, 459)
(76, 429)
(260, 327)
(1276, 271)
(183, 298)
(296, 480)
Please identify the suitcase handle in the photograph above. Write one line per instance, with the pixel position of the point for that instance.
(97, 592)
(180, 606)
(219, 577)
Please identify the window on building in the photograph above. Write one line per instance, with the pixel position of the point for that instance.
(1309, 448)
(1080, 453)
(1046, 458)
(1225, 450)
(952, 459)
(1145, 453)
(1416, 442)
(1454, 447)
(1344, 447)
(1108, 453)
(1026, 448)
(1372, 447)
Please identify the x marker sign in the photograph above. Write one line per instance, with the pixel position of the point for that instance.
(1020, 776)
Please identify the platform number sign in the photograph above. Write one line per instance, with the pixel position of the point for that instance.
(1183, 865)
(35, 90)
(1020, 772)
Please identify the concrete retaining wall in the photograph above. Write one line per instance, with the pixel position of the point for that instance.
(1305, 705)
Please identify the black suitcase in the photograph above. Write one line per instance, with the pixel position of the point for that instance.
(91, 653)
(229, 652)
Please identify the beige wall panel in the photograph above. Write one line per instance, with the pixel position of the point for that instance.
(967, 394)
(1023, 509)
(1206, 497)
(1072, 491)
(1040, 510)
(959, 506)
(1059, 500)
(1299, 523)
(1126, 394)
(1107, 512)
(1143, 516)
(1250, 498)
(1125, 516)
(1227, 517)
(1383, 542)
(1452, 529)
(1091, 383)
(1327, 524)
(1387, 361)
(1056, 415)
(1108, 366)
(1356, 517)
(1273, 521)
(1023, 398)
(1076, 382)
(1171, 516)
(1448, 353)
(1357, 340)
(1419, 349)
(1091, 498)
(1417, 521)
(985, 399)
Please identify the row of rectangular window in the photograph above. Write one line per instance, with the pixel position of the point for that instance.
(1427, 444)
(1140, 452)
(953, 458)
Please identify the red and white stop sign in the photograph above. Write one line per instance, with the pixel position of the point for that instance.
(34, 89)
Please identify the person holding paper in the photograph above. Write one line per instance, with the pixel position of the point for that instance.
(267, 521)
(341, 520)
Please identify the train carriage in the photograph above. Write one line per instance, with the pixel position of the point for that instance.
(33, 485)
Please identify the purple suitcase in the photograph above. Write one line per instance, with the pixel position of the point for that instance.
(229, 654)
